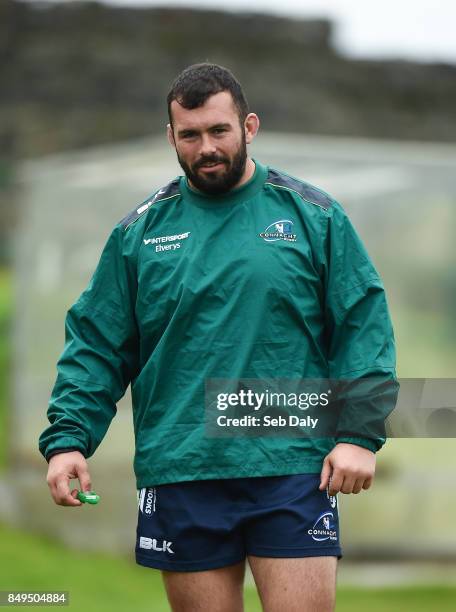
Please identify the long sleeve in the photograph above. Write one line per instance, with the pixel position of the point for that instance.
(100, 356)
(361, 347)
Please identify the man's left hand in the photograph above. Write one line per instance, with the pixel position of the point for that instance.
(347, 468)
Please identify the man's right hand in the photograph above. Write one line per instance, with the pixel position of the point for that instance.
(62, 468)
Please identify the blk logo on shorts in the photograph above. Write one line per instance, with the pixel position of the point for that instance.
(152, 544)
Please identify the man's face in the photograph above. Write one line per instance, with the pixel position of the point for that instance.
(210, 143)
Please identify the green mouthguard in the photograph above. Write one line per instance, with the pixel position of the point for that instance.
(89, 497)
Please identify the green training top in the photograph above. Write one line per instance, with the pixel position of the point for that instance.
(268, 280)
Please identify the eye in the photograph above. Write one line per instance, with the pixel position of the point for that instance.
(188, 135)
(219, 130)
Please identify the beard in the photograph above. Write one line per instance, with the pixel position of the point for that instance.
(221, 181)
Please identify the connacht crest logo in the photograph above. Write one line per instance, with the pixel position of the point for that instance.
(279, 230)
(324, 528)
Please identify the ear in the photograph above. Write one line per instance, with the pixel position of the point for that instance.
(251, 127)
(170, 135)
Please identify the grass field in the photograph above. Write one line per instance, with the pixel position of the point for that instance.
(99, 582)
(5, 321)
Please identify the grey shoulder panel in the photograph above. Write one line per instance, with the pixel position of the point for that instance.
(307, 191)
(171, 190)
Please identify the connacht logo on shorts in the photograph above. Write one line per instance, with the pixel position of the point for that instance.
(279, 230)
(323, 528)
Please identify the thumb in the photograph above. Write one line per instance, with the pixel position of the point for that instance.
(325, 474)
(84, 479)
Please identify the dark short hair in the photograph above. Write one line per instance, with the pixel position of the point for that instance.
(194, 85)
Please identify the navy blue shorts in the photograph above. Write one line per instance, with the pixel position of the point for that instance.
(206, 524)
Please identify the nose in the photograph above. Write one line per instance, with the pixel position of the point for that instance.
(208, 147)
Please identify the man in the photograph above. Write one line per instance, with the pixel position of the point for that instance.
(233, 271)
